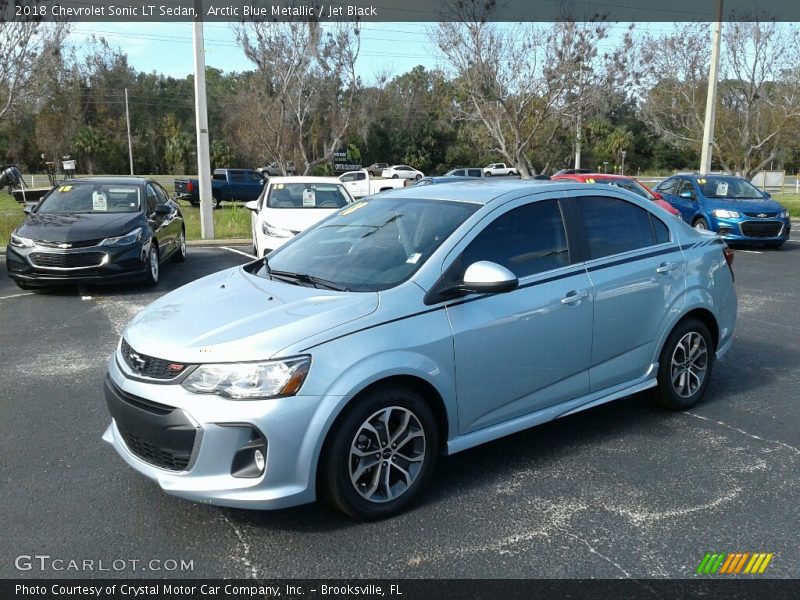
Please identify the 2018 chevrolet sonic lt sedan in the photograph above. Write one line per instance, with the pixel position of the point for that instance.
(419, 322)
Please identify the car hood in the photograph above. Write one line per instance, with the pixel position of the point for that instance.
(235, 316)
(755, 205)
(295, 219)
(54, 227)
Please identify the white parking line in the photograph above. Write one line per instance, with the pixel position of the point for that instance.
(751, 251)
(247, 254)
(16, 295)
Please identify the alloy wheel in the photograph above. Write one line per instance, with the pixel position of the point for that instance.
(689, 363)
(387, 454)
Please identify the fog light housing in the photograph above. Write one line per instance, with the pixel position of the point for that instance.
(250, 460)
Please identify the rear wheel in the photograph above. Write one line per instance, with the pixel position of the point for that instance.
(395, 176)
(152, 274)
(488, 173)
(685, 365)
(418, 177)
(380, 455)
(700, 223)
(180, 254)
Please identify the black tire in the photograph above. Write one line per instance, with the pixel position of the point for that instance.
(153, 272)
(336, 462)
(488, 173)
(700, 223)
(395, 176)
(24, 285)
(418, 177)
(180, 251)
(676, 391)
(195, 204)
(215, 203)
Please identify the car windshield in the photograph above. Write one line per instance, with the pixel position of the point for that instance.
(308, 195)
(92, 197)
(372, 245)
(630, 185)
(731, 188)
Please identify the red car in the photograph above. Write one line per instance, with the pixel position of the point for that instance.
(623, 181)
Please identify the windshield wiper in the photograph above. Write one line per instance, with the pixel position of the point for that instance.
(317, 282)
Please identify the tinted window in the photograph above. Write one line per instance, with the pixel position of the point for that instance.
(237, 176)
(668, 186)
(685, 186)
(612, 226)
(152, 199)
(348, 177)
(659, 229)
(527, 240)
(474, 172)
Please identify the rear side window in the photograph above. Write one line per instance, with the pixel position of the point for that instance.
(613, 226)
(527, 240)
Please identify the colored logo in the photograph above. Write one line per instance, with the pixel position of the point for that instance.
(721, 563)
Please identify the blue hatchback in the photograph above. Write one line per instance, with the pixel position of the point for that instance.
(731, 206)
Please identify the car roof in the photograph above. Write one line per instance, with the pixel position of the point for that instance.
(583, 176)
(303, 179)
(120, 179)
(483, 190)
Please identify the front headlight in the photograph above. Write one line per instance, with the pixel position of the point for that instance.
(784, 214)
(250, 381)
(123, 240)
(21, 242)
(726, 214)
(275, 231)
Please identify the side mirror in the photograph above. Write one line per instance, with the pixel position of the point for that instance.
(486, 277)
(252, 205)
(687, 195)
(27, 209)
(767, 194)
(162, 209)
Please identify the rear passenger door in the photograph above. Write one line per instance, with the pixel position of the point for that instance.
(638, 277)
(528, 349)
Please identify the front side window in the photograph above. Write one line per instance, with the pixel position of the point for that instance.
(307, 195)
(372, 245)
(612, 226)
(92, 198)
(161, 195)
(526, 240)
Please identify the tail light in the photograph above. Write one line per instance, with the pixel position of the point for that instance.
(728, 253)
(406, 182)
(190, 186)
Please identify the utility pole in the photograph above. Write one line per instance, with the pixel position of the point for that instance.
(201, 125)
(128, 119)
(711, 99)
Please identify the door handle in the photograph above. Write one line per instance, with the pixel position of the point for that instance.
(665, 267)
(574, 297)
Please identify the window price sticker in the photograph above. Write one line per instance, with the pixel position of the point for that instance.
(309, 198)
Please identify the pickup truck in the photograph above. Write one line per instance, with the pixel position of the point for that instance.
(227, 185)
(499, 169)
(360, 183)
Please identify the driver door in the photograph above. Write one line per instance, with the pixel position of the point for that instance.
(528, 349)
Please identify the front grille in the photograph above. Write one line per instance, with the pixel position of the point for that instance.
(67, 260)
(174, 460)
(762, 215)
(761, 228)
(83, 244)
(149, 366)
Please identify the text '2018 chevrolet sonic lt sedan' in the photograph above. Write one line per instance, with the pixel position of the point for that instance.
(419, 322)
(97, 229)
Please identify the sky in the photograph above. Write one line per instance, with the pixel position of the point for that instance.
(167, 47)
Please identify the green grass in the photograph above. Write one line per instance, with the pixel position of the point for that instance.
(232, 220)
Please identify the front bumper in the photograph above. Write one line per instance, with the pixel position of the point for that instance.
(205, 432)
(752, 230)
(94, 264)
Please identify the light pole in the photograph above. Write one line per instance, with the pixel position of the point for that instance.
(711, 97)
(201, 127)
(622, 167)
(605, 166)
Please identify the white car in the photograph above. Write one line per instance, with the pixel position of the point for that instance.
(289, 205)
(402, 171)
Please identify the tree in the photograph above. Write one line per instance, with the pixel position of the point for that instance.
(221, 154)
(88, 143)
(758, 110)
(26, 47)
(517, 80)
(177, 146)
(309, 87)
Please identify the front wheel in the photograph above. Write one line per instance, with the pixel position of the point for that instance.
(395, 176)
(685, 365)
(152, 274)
(700, 223)
(488, 174)
(380, 455)
(418, 177)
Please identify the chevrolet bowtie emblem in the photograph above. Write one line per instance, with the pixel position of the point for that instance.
(65, 245)
(137, 362)
(761, 215)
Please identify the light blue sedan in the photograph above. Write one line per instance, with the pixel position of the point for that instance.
(413, 324)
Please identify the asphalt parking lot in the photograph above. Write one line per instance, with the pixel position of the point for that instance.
(622, 490)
